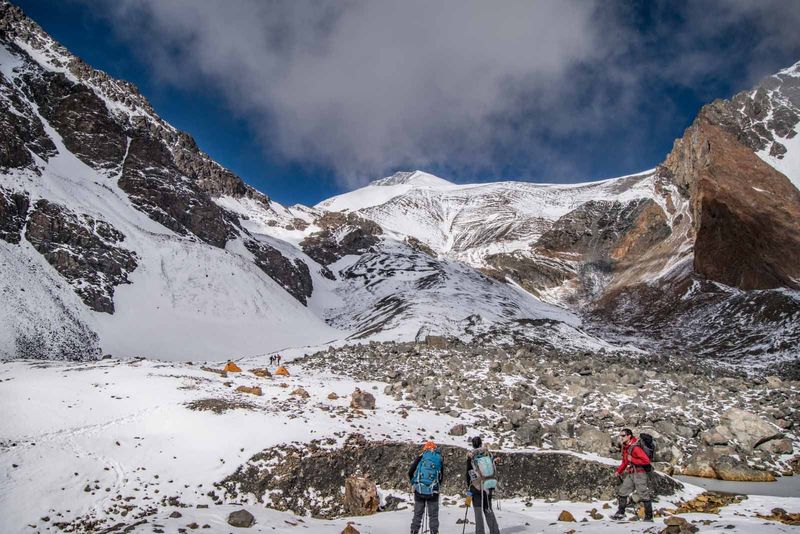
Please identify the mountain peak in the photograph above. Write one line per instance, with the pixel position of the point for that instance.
(417, 178)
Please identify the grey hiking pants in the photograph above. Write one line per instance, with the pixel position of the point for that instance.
(482, 505)
(432, 504)
(638, 482)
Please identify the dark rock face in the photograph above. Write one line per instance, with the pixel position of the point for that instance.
(746, 215)
(597, 228)
(158, 188)
(84, 250)
(21, 131)
(293, 276)
(13, 210)
(341, 234)
(80, 117)
(286, 474)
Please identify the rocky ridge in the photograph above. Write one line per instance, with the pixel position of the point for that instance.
(282, 477)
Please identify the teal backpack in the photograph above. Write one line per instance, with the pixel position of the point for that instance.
(483, 465)
(426, 478)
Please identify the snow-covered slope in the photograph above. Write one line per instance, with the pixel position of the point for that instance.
(140, 245)
(468, 222)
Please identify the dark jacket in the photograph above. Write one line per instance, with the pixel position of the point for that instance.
(413, 469)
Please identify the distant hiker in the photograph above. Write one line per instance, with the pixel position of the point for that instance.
(426, 475)
(272, 360)
(634, 472)
(481, 482)
(278, 358)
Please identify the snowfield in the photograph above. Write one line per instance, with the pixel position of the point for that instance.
(89, 439)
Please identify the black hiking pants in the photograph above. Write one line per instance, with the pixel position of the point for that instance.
(421, 502)
(482, 504)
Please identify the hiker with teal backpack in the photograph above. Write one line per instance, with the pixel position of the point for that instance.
(482, 481)
(426, 475)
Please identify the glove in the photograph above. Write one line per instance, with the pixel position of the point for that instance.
(469, 493)
(469, 500)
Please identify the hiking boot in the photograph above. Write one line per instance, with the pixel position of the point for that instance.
(622, 502)
(648, 511)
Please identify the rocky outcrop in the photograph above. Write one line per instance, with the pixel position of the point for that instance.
(84, 250)
(21, 132)
(80, 117)
(285, 475)
(761, 118)
(156, 186)
(293, 276)
(745, 214)
(601, 229)
(340, 234)
(13, 211)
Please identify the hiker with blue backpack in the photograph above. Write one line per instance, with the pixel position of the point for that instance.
(482, 481)
(426, 475)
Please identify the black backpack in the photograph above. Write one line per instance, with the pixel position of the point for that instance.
(648, 445)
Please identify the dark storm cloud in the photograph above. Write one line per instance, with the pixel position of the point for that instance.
(363, 87)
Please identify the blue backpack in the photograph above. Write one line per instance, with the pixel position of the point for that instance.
(426, 478)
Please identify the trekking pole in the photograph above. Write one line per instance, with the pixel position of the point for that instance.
(425, 520)
(466, 512)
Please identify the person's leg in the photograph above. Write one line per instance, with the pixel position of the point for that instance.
(478, 509)
(624, 490)
(491, 520)
(433, 515)
(645, 490)
(419, 509)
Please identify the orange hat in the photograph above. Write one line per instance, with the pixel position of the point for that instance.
(429, 446)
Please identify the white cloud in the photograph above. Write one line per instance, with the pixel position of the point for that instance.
(365, 86)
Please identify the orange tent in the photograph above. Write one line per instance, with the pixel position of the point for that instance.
(282, 371)
(231, 367)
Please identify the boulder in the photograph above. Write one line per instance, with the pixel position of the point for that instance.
(747, 428)
(678, 525)
(566, 516)
(729, 468)
(529, 434)
(241, 519)
(713, 437)
(300, 392)
(593, 440)
(261, 372)
(252, 391)
(360, 496)
(333, 396)
(777, 446)
(701, 464)
(362, 400)
(458, 430)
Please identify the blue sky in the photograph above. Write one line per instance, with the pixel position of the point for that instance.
(305, 100)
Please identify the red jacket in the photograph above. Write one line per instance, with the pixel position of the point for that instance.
(633, 457)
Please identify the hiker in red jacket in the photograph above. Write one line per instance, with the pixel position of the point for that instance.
(634, 472)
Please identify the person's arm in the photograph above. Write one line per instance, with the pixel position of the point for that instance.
(413, 468)
(469, 468)
(441, 473)
(624, 463)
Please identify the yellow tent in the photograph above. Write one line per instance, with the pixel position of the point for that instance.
(282, 371)
(231, 367)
